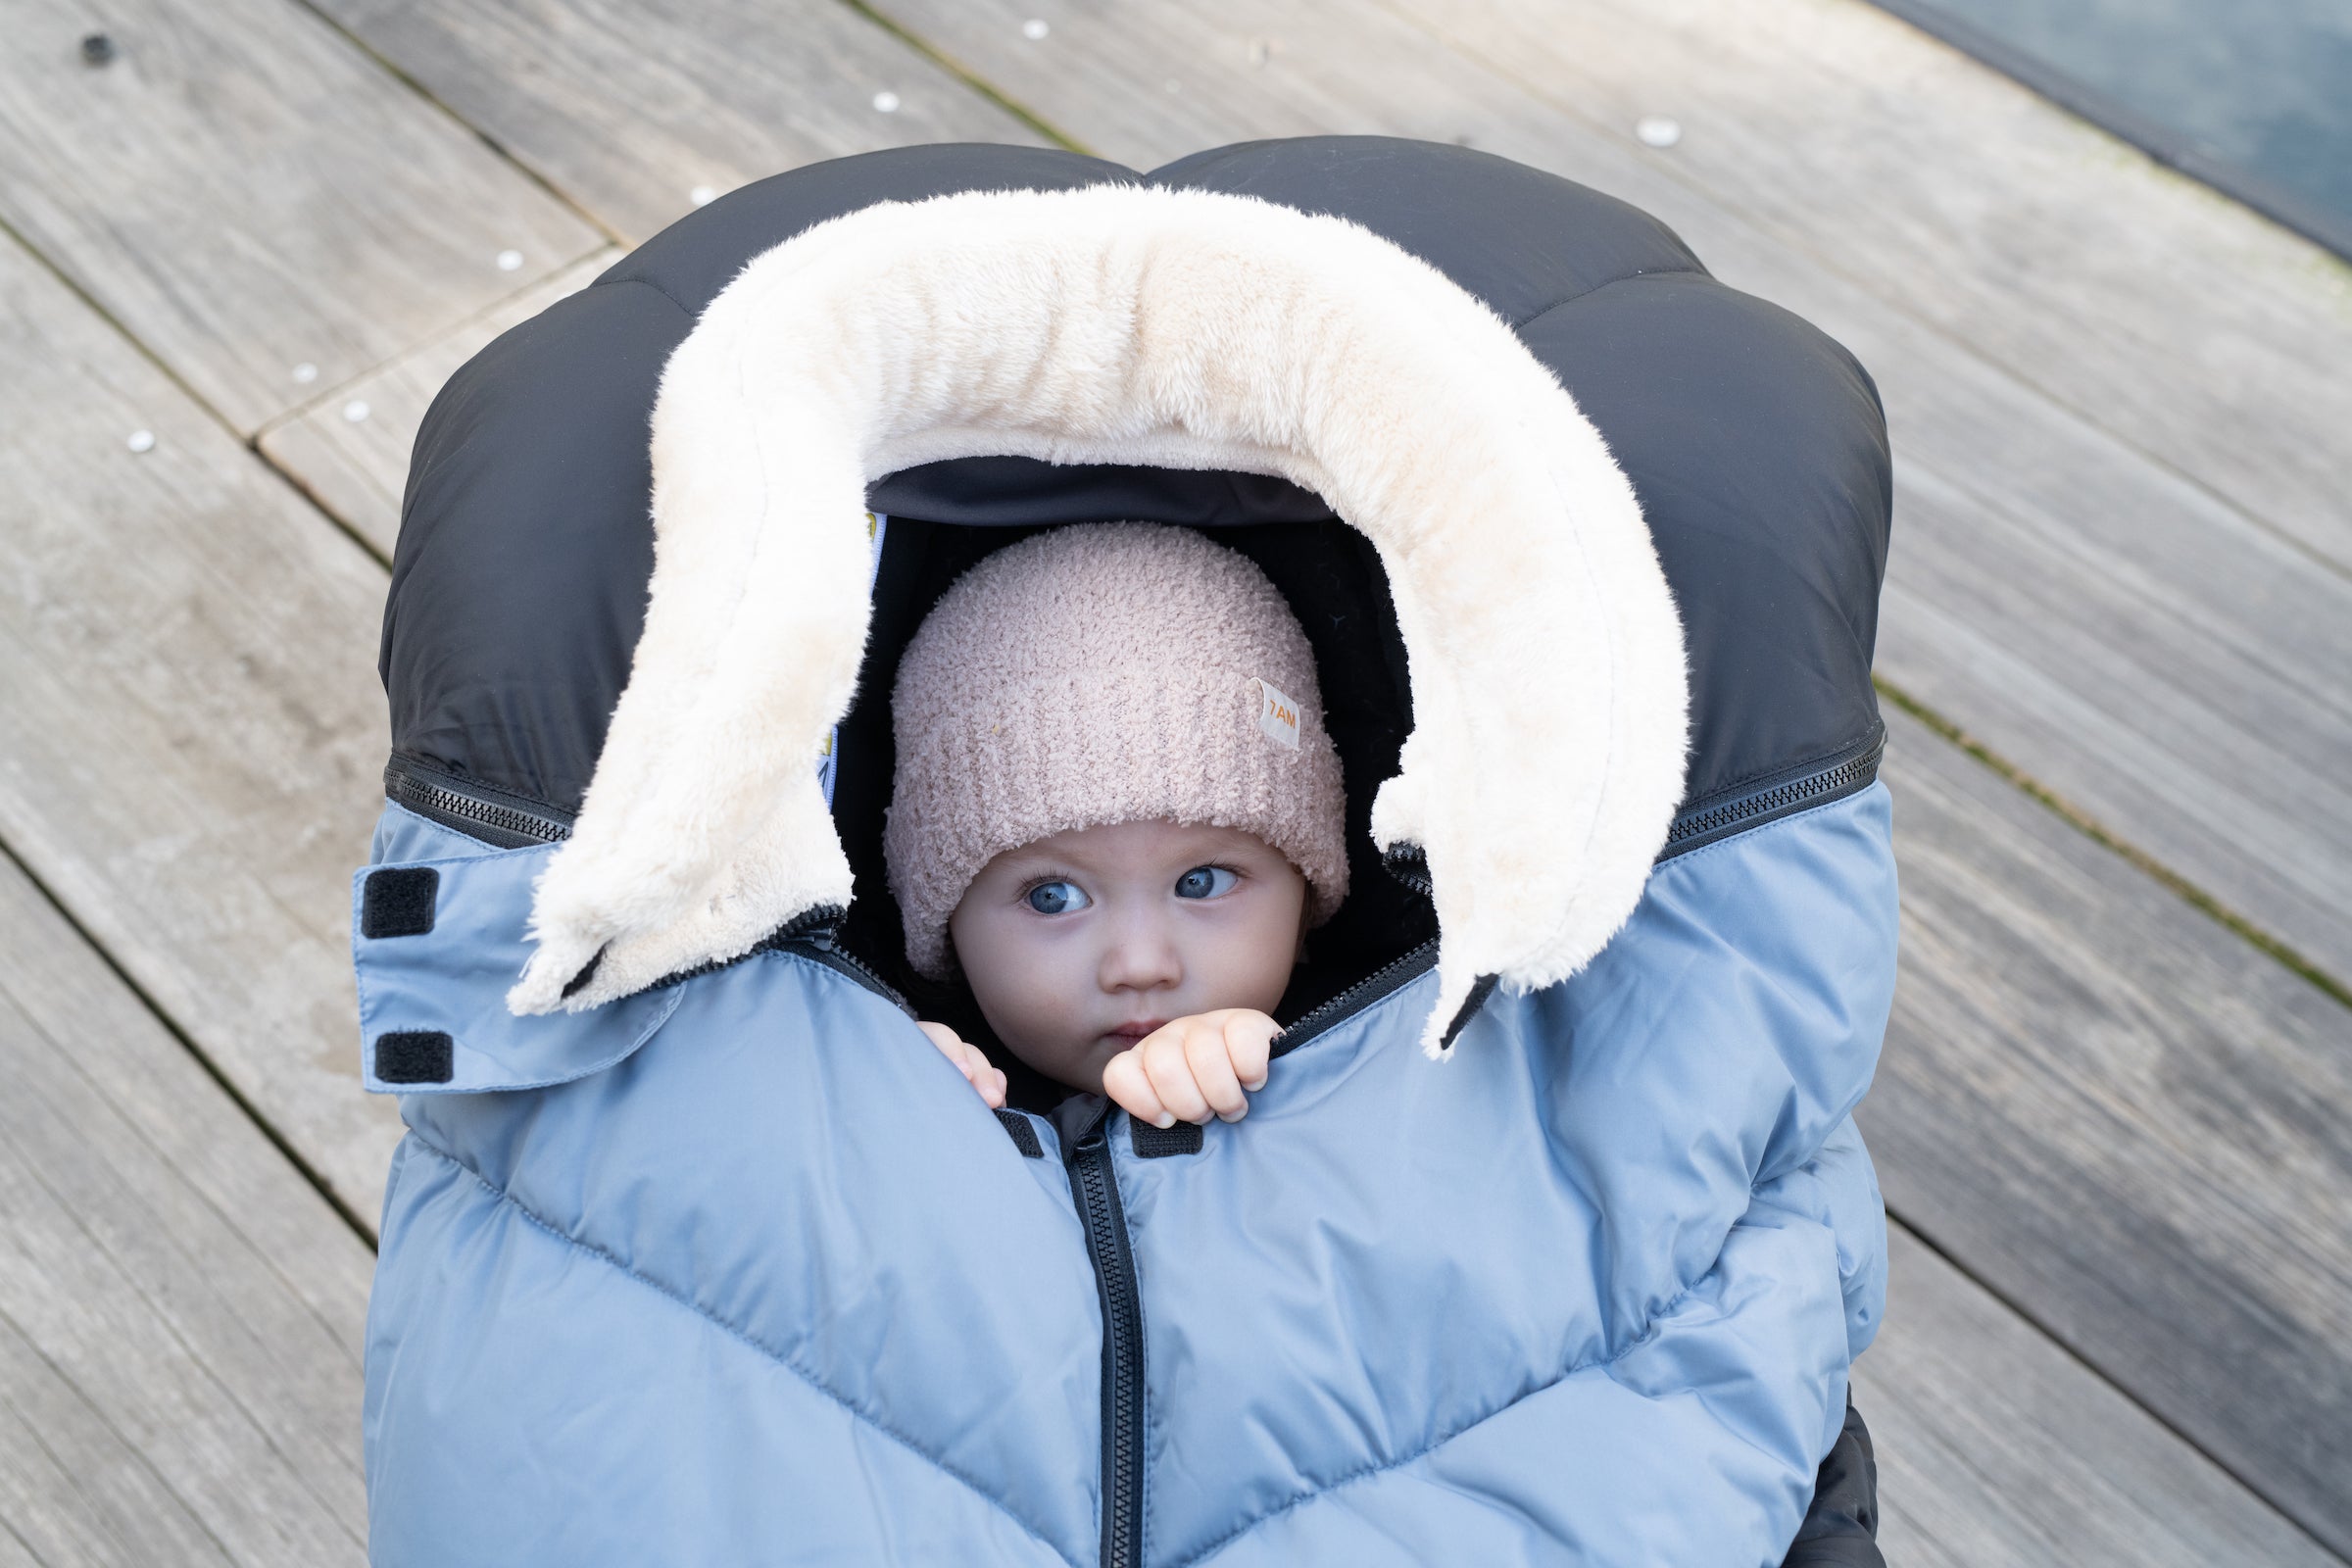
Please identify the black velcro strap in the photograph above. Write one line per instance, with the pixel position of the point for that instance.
(1159, 1143)
(398, 902)
(1024, 1136)
(414, 1056)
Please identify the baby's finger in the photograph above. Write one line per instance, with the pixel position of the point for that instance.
(1210, 1059)
(986, 1077)
(1248, 1044)
(949, 1045)
(1169, 1065)
(1130, 1089)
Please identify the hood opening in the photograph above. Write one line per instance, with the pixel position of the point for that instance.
(1753, 446)
(1333, 579)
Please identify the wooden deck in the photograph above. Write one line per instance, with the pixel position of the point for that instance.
(2115, 1118)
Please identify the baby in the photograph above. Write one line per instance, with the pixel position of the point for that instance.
(1117, 811)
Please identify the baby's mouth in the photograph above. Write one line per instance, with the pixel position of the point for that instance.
(1133, 1032)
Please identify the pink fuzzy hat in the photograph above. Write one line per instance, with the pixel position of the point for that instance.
(1099, 674)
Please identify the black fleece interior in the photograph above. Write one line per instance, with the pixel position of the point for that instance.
(1333, 579)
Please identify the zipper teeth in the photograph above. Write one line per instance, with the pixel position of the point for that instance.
(1411, 870)
(1829, 780)
(796, 929)
(1388, 978)
(1122, 1370)
(432, 798)
(1408, 869)
(410, 790)
(808, 934)
(849, 963)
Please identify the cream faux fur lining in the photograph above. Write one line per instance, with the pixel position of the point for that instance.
(1131, 325)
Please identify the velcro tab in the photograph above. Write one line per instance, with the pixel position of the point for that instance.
(437, 946)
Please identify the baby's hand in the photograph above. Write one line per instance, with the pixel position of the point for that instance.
(1194, 1066)
(970, 1061)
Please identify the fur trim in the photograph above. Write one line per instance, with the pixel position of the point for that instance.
(1125, 325)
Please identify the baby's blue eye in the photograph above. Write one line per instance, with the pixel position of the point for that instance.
(1056, 898)
(1206, 882)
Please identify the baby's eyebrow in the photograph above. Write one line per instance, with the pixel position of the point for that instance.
(1029, 869)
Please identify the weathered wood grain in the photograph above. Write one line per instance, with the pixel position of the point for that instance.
(349, 449)
(180, 1311)
(2179, 676)
(1997, 1450)
(2209, 339)
(2127, 1121)
(73, 1493)
(627, 108)
(195, 731)
(246, 192)
(2174, 669)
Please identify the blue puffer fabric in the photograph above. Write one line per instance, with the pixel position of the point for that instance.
(740, 1270)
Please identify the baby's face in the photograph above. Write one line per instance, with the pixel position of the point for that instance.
(1078, 946)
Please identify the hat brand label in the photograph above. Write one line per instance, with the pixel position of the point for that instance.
(1277, 715)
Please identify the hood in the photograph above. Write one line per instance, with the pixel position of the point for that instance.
(1117, 347)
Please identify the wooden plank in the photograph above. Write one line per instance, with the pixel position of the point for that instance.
(2128, 1122)
(195, 731)
(247, 192)
(71, 1491)
(1983, 209)
(1997, 1450)
(2174, 674)
(161, 1101)
(349, 447)
(180, 1313)
(629, 108)
(2127, 637)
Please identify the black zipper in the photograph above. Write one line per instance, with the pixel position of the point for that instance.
(812, 934)
(1755, 805)
(1384, 982)
(1095, 1186)
(512, 822)
(815, 935)
(495, 816)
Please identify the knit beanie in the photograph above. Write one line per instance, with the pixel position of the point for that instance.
(1099, 674)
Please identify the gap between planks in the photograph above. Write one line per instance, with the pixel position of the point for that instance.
(181, 1317)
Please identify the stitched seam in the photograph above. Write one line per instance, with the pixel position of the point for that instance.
(1656, 1326)
(646, 283)
(1745, 834)
(658, 1287)
(1527, 321)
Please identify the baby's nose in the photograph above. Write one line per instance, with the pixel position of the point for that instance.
(1141, 957)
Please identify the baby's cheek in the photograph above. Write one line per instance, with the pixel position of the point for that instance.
(1252, 971)
(1034, 1006)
